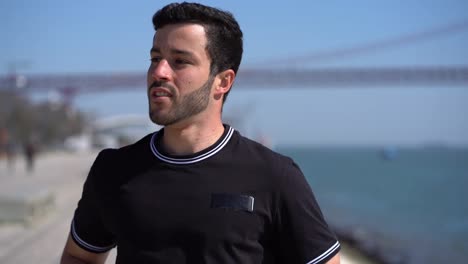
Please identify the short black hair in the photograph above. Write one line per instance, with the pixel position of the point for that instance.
(223, 33)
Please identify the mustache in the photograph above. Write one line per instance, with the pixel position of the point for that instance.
(162, 84)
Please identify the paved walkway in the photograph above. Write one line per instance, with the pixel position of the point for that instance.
(42, 240)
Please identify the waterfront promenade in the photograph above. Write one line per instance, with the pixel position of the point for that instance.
(40, 239)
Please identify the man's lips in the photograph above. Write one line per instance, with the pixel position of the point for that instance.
(158, 92)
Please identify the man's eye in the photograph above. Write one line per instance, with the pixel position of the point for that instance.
(155, 59)
(180, 61)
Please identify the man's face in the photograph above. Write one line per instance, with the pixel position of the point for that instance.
(179, 81)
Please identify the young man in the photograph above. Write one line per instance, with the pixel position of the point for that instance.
(196, 191)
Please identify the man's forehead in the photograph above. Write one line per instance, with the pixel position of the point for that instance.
(181, 30)
(189, 37)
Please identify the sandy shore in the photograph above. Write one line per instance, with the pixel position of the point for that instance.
(62, 174)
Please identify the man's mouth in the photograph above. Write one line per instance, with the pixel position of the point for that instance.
(160, 92)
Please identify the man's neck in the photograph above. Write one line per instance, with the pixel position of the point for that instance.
(189, 139)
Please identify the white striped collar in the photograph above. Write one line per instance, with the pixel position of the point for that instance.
(196, 158)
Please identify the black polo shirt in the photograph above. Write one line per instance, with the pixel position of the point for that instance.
(234, 202)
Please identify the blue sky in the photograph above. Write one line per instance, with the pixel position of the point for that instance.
(107, 36)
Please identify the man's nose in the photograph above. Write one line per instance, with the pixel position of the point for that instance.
(161, 71)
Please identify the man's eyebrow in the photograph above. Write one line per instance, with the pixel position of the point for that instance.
(175, 51)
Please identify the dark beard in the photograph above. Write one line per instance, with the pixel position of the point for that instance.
(187, 106)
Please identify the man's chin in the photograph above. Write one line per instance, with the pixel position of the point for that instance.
(158, 120)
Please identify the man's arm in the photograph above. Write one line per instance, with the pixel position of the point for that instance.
(73, 254)
(335, 259)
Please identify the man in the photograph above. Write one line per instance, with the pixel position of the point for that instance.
(196, 191)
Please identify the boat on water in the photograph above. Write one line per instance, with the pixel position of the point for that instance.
(389, 153)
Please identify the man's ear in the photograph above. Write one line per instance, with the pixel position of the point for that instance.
(224, 81)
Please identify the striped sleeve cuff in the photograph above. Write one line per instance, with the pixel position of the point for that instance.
(330, 252)
(86, 246)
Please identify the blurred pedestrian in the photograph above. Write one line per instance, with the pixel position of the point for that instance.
(30, 152)
(7, 149)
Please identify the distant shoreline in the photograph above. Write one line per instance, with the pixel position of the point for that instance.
(366, 250)
(354, 255)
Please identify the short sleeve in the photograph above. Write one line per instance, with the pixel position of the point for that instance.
(304, 236)
(87, 228)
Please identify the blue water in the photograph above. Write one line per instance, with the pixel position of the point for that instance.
(412, 204)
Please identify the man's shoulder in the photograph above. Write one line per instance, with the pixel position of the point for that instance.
(269, 166)
(129, 152)
(257, 152)
(114, 164)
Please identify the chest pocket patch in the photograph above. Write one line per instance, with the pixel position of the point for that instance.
(232, 201)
